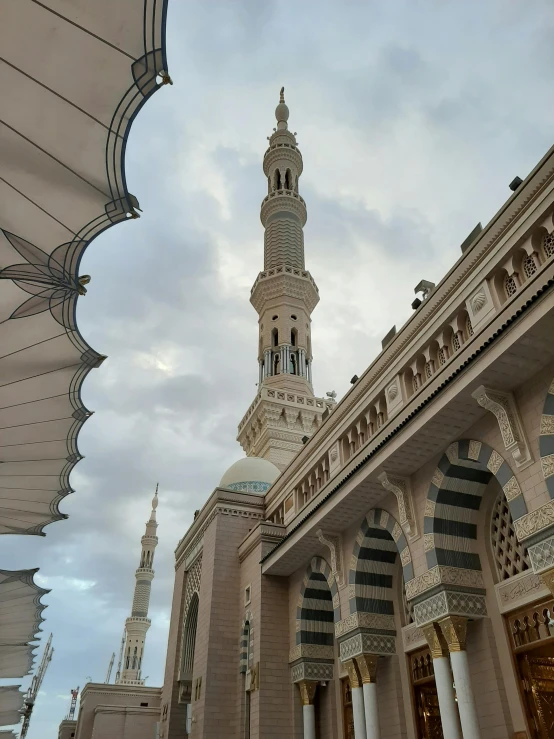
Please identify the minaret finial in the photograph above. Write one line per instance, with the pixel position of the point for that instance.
(282, 95)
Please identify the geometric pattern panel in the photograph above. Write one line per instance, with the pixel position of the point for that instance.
(367, 644)
(449, 603)
(454, 499)
(312, 671)
(318, 605)
(373, 563)
(510, 556)
(546, 440)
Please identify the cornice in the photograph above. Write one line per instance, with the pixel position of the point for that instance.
(221, 501)
(376, 374)
(284, 283)
(282, 153)
(263, 532)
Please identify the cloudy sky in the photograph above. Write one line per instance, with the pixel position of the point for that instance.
(412, 117)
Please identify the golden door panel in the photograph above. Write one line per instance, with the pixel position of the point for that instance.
(427, 704)
(347, 712)
(538, 684)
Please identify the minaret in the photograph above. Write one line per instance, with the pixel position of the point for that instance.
(284, 295)
(138, 622)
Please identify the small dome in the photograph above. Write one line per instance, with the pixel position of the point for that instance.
(250, 475)
(282, 112)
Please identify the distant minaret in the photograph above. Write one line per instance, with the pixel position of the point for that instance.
(138, 623)
(285, 411)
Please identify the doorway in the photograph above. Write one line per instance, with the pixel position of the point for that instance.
(426, 700)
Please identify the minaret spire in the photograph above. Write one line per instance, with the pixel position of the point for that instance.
(138, 622)
(284, 296)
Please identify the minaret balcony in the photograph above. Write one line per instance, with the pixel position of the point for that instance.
(145, 573)
(149, 540)
(284, 282)
(287, 200)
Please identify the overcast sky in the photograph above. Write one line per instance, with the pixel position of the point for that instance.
(412, 118)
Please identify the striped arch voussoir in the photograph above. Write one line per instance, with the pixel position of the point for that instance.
(246, 642)
(372, 565)
(546, 440)
(318, 606)
(454, 499)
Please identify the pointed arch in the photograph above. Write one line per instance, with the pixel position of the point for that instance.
(454, 500)
(546, 440)
(372, 565)
(189, 637)
(318, 606)
(247, 643)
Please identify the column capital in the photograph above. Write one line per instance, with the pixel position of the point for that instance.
(454, 630)
(435, 640)
(353, 674)
(367, 665)
(307, 691)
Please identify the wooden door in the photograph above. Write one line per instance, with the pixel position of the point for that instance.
(427, 704)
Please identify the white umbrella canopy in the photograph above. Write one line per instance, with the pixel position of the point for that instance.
(20, 619)
(11, 703)
(73, 76)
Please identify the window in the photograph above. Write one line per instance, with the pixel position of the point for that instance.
(293, 337)
(548, 245)
(275, 334)
(293, 365)
(456, 343)
(274, 318)
(442, 357)
(469, 327)
(145, 705)
(429, 369)
(276, 369)
(510, 287)
(510, 556)
(529, 266)
(294, 318)
(247, 594)
(288, 179)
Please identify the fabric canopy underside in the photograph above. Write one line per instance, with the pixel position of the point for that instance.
(20, 619)
(11, 703)
(72, 77)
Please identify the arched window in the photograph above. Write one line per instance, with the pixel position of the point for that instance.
(529, 266)
(268, 185)
(510, 287)
(135, 659)
(293, 336)
(189, 637)
(128, 658)
(288, 179)
(277, 180)
(276, 362)
(548, 245)
(275, 335)
(293, 364)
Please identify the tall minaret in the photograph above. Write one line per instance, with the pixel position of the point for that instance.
(285, 410)
(138, 622)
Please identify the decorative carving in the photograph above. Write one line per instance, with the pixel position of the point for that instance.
(400, 486)
(367, 644)
(393, 391)
(312, 671)
(307, 691)
(548, 579)
(367, 665)
(435, 641)
(428, 542)
(511, 489)
(547, 464)
(478, 301)
(334, 544)
(533, 522)
(503, 407)
(363, 620)
(495, 462)
(443, 575)
(449, 602)
(474, 449)
(454, 630)
(353, 674)
(519, 590)
(312, 651)
(547, 425)
(437, 478)
(412, 637)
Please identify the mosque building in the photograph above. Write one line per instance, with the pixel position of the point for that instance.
(381, 567)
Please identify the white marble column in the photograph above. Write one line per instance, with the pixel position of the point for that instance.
(307, 693)
(443, 679)
(358, 710)
(454, 630)
(367, 664)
